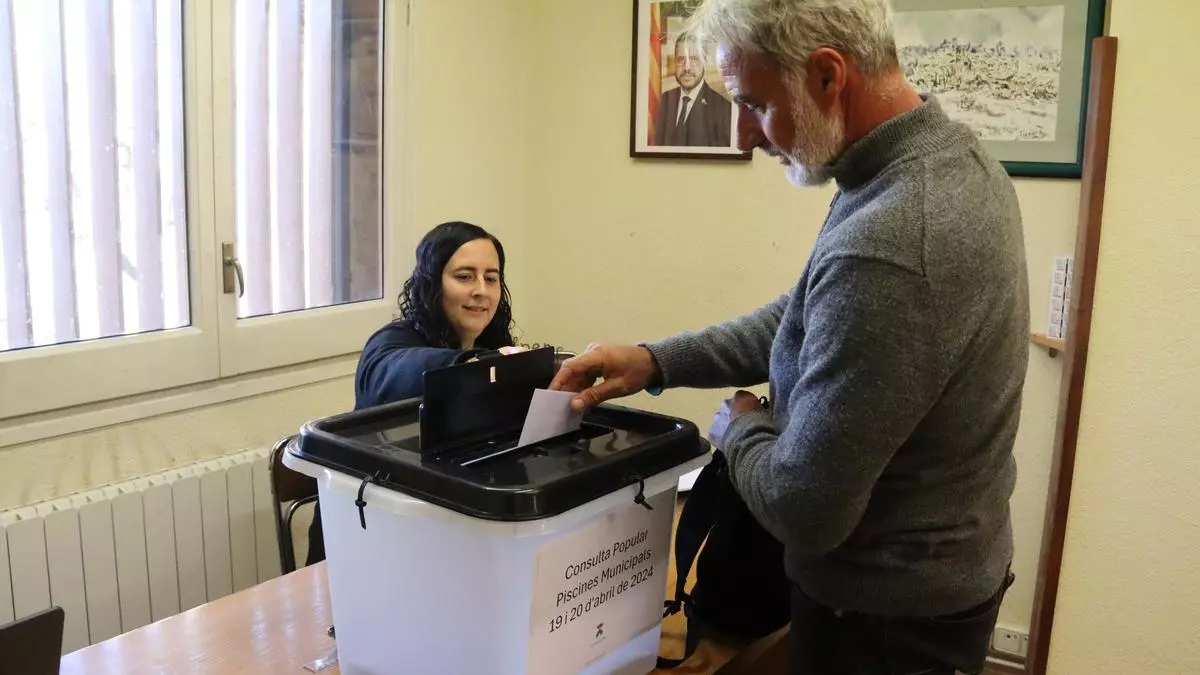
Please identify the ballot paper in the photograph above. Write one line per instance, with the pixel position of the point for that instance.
(550, 415)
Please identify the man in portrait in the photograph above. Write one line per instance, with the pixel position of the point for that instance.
(692, 114)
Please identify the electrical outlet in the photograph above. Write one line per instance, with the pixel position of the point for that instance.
(1009, 640)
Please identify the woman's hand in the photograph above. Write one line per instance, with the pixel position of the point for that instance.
(511, 350)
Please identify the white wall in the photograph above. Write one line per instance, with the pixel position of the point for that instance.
(469, 123)
(1129, 599)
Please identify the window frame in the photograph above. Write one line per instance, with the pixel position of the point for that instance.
(259, 343)
(38, 379)
(217, 346)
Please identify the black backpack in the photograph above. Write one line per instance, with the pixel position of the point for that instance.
(741, 589)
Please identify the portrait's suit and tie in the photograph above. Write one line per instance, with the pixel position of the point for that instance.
(701, 117)
(692, 114)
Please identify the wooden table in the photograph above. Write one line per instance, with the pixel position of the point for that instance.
(274, 627)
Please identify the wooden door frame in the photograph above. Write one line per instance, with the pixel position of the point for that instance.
(1079, 329)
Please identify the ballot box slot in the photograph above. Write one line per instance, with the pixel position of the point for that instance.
(505, 446)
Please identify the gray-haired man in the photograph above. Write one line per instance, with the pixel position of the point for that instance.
(896, 363)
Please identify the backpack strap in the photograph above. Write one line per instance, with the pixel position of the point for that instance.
(696, 519)
(689, 647)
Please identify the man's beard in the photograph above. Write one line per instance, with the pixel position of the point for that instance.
(818, 140)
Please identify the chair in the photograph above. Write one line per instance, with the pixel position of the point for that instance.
(288, 486)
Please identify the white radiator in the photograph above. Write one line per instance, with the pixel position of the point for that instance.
(127, 555)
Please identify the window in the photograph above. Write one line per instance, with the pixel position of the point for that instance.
(307, 132)
(299, 172)
(189, 189)
(91, 172)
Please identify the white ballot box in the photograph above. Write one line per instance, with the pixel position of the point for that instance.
(483, 555)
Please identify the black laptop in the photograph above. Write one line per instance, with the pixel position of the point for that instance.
(32, 645)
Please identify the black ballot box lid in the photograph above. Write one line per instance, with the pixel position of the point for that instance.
(483, 473)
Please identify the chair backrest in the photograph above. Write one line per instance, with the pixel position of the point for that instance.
(287, 486)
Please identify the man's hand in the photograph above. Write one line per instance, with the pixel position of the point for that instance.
(741, 403)
(626, 370)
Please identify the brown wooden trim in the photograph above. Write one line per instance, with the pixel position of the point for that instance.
(1000, 664)
(1087, 246)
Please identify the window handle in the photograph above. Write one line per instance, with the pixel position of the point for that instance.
(231, 268)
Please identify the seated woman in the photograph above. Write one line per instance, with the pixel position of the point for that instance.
(454, 307)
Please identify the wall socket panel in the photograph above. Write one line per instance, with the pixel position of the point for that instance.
(1009, 640)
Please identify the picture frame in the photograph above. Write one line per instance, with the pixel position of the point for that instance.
(1015, 71)
(679, 108)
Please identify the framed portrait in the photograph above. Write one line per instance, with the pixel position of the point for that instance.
(680, 108)
(1015, 71)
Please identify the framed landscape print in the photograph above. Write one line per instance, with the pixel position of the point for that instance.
(680, 108)
(1015, 71)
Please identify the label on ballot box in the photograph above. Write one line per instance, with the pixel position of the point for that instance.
(598, 588)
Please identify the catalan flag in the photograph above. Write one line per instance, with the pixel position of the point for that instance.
(657, 38)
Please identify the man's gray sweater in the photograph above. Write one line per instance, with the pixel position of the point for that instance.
(895, 366)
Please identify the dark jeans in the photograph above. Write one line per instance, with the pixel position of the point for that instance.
(826, 642)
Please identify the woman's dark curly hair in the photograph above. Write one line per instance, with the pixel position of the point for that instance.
(421, 299)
